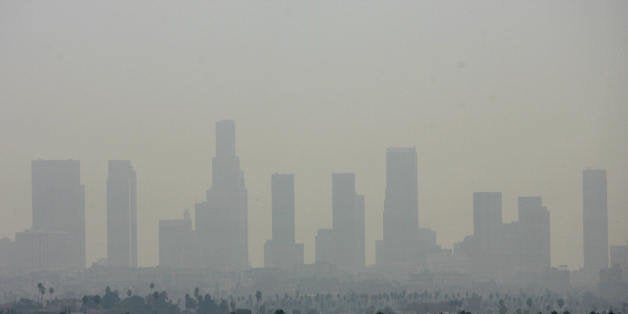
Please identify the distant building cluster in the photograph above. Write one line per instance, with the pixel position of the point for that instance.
(56, 240)
(218, 238)
(499, 249)
(343, 244)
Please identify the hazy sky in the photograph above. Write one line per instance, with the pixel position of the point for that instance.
(511, 96)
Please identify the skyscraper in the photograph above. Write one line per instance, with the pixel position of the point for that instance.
(59, 205)
(594, 220)
(534, 227)
(177, 248)
(619, 257)
(401, 247)
(487, 249)
(121, 214)
(281, 251)
(401, 203)
(487, 218)
(221, 220)
(343, 245)
(348, 221)
(500, 250)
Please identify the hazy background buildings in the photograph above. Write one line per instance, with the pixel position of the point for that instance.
(594, 220)
(516, 97)
(343, 244)
(222, 219)
(58, 229)
(281, 251)
(121, 214)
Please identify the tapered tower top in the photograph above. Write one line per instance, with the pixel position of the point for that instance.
(225, 138)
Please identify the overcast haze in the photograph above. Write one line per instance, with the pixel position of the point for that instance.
(516, 97)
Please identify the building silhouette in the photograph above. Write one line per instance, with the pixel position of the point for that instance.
(507, 251)
(58, 200)
(43, 250)
(121, 214)
(282, 251)
(490, 247)
(534, 222)
(221, 220)
(619, 258)
(344, 245)
(177, 245)
(404, 245)
(594, 220)
(487, 218)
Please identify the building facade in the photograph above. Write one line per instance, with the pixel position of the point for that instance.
(594, 220)
(177, 243)
(58, 200)
(221, 220)
(402, 248)
(121, 214)
(282, 251)
(344, 244)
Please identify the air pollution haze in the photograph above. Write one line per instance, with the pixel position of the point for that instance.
(524, 99)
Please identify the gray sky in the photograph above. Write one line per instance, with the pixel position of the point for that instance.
(516, 97)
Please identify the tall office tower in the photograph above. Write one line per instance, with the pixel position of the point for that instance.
(400, 248)
(343, 245)
(348, 221)
(121, 214)
(487, 218)
(177, 246)
(619, 257)
(594, 220)
(486, 249)
(534, 231)
(281, 251)
(59, 205)
(325, 247)
(221, 221)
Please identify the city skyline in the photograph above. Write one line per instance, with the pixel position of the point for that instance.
(51, 177)
(512, 97)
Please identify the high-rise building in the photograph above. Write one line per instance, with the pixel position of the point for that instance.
(488, 249)
(121, 214)
(619, 257)
(401, 203)
(344, 244)
(325, 247)
(402, 248)
(534, 227)
(348, 221)
(282, 251)
(487, 218)
(221, 220)
(177, 245)
(594, 220)
(505, 251)
(59, 206)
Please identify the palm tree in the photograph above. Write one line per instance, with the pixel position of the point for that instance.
(51, 290)
(560, 303)
(42, 291)
(258, 297)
